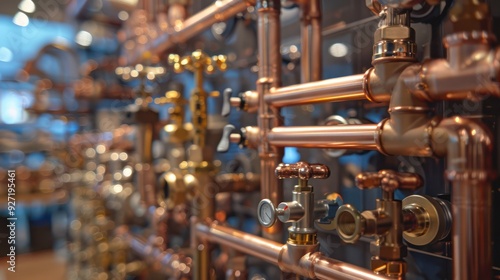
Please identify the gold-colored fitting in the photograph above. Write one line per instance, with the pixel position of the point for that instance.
(302, 238)
(393, 269)
(470, 15)
(198, 60)
(198, 63)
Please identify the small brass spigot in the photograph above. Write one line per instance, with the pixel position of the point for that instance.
(301, 211)
(198, 63)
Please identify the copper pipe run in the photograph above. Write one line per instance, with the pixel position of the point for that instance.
(316, 40)
(332, 90)
(468, 148)
(238, 182)
(334, 137)
(169, 260)
(313, 265)
(221, 10)
(268, 33)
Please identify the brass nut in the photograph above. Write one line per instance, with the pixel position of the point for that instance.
(388, 252)
(388, 268)
(374, 5)
(394, 32)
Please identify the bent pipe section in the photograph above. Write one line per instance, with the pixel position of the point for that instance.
(312, 265)
(194, 25)
(468, 147)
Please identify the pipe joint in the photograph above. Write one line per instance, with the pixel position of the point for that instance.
(467, 146)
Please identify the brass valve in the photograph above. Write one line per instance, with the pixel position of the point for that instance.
(302, 210)
(179, 132)
(198, 63)
(386, 222)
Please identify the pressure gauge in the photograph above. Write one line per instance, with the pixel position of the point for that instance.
(266, 213)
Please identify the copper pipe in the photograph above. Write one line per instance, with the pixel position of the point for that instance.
(246, 243)
(470, 70)
(238, 182)
(145, 178)
(326, 268)
(169, 260)
(268, 35)
(305, 45)
(219, 11)
(309, 265)
(316, 41)
(203, 208)
(331, 90)
(334, 137)
(468, 148)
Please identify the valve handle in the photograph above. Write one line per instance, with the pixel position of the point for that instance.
(226, 103)
(230, 135)
(198, 60)
(389, 180)
(302, 170)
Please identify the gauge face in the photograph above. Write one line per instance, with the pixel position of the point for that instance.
(266, 213)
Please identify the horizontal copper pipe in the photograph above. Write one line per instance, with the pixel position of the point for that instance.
(331, 90)
(219, 11)
(246, 243)
(152, 254)
(326, 268)
(238, 182)
(333, 137)
(310, 265)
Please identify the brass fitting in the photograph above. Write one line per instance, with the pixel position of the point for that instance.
(385, 222)
(470, 15)
(394, 39)
(301, 210)
(198, 63)
(426, 219)
(393, 269)
(178, 131)
(176, 188)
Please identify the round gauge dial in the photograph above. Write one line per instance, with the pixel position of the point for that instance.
(266, 213)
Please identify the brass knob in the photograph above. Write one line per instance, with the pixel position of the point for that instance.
(389, 180)
(302, 170)
(198, 60)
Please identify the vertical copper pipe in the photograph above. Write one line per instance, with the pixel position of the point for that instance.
(316, 41)
(468, 147)
(268, 34)
(471, 210)
(305, 45)
(204, 210)
(144, 175)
